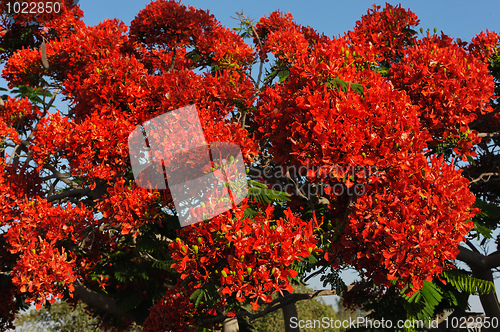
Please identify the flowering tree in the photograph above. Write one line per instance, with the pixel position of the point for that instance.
(350, 145)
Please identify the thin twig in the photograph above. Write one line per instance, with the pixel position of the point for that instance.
(172, 65)
(493, 134)
(64, 178)
(488, 176)
(51, 101)
(276, 305)
(312, 275)
(242, 18)
(67, 194)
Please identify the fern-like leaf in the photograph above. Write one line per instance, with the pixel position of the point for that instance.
(428, 297)
(463, 281)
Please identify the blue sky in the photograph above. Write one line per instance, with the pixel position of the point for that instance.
(462, 19)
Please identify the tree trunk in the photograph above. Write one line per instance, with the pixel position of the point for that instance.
(489, 301)
(231, 325)
(290, 316)
(481, 266)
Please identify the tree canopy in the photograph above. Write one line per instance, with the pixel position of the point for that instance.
(376, 150)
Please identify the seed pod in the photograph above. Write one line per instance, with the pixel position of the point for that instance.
(43, 52)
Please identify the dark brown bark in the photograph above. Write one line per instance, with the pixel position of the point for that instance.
(290, 315)
(99, 301)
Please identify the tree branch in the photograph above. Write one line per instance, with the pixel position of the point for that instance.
(99, 301)
(477, 260)
(51, 101)
(70, 193)
(64, 178)
(481, 267)
(276, 305)
(312, 275)
(485, 118)
(493, 134)
(485, 177)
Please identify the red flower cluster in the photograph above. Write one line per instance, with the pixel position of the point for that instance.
(172, 27)
(408, 227)
(332, 112)
(130, 206)
(383, 35)
(16, 114)
(250, 259)
(45, 269)
(164, 315)
(450, 86)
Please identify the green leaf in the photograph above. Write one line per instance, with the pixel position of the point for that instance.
(128, 303)
(470, 160)
(382, 70)
(337, 83)
(483, 230)
(35, 95)
(193, 55)
(334, 280)
(462, 280)
(197, 296)
(260, 193)
(274, 72)
(283, 75)
(249, 213)
(428, 297)
(486, 221)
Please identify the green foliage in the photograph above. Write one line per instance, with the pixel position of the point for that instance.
(334, 280)
(382, 70)
(246, 26)
(283, 75)
(463, 280)
(245, 30)
(428, 298)
(60, 317)
(431, 300)
(337, 84)
(494, 68)
(35, 95)
(486, 221)
(207, 295)
(282, 71)
(259, 192)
